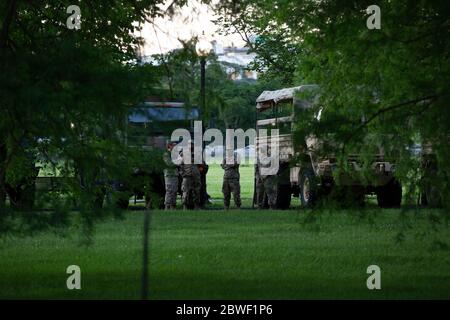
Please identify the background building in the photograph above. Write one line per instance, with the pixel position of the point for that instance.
(235, 61)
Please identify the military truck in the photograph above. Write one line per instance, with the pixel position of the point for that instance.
(302, 171)
(149, 127)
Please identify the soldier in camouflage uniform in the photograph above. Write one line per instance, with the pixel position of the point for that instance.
(231, 182)
(267, 187)
(270, 187)
(259, 188)
(170, 179)
(190, 186)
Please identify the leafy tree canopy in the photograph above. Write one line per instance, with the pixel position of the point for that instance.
(64, 93)
(385, 87)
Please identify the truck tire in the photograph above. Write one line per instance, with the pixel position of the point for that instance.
(22, 197)
(122, 203)
(390, 195)
(308, 188)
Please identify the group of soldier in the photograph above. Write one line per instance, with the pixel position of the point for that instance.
(193, 180)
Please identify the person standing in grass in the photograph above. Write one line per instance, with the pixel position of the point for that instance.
(190, 186)
(170, 179)
(266, 183)
(230, 165)
(259, 185)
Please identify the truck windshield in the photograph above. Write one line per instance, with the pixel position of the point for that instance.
(277, 117)
(282, 109)
(152, 125)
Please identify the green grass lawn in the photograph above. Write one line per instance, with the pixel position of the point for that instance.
(238, 254)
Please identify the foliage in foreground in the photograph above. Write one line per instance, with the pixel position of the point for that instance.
(65, 94)
(383, 88)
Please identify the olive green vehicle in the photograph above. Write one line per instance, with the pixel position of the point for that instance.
(149, 128)
(302, 172)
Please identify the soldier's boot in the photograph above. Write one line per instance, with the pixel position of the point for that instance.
(173, 207)
(167, 207)
(226, 200)
(226, 203)
(237, 201)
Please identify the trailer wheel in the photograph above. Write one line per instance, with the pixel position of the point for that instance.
(390, 195)
(122, 203)
(24, 199)
(308, 188)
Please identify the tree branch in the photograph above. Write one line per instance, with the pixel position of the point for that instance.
(388, 109)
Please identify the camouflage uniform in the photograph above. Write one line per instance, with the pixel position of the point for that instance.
(270, 187)
(190, 185)
(231, 183)
(259, 189)
(268, 183)
(171, 182)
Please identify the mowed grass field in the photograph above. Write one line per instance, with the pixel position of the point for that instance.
(238, 254)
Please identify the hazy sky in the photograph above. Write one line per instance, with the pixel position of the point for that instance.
(187, 22)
